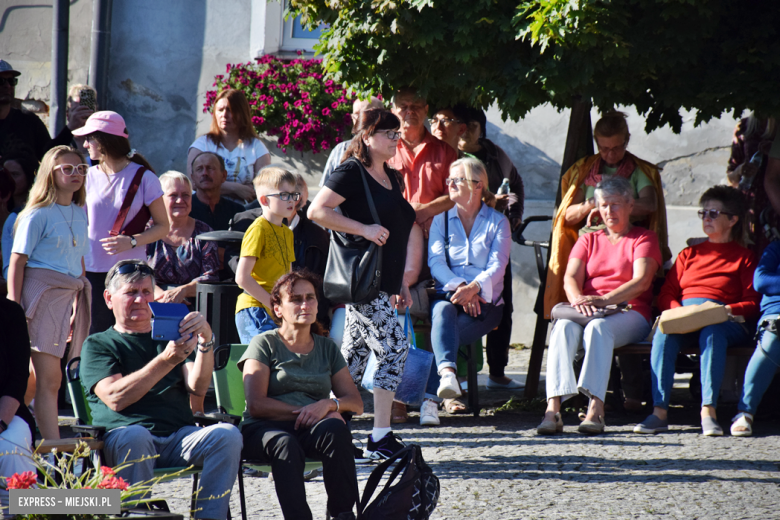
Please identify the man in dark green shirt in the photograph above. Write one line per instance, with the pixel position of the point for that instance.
(138, 388)
(208, 204)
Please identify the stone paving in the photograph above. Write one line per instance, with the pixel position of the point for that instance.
(496, 467)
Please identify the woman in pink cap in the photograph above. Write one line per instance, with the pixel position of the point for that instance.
(122, 194)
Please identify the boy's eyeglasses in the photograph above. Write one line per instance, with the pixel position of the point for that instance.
(69, 169)
(10, 81)
(286, 195)
(459, 181)
(712, 214)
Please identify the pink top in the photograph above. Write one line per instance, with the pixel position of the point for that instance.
(105, 194)
(608, 266)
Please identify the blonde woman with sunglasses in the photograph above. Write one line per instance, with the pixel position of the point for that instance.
(468, 252)
(46, 273)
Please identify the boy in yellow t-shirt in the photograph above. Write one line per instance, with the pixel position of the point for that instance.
(267, 251)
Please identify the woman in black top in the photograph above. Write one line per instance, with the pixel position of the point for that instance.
(374, 326)
(16, 422)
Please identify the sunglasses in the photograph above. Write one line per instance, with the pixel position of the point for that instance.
(132, 268)
(286, 196)
(712, 214)
(9, 81)
(443, 121)
(459, 181)
(69, 169)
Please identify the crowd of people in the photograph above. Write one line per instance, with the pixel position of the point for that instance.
(92, 235)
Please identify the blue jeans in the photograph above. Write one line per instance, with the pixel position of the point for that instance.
(253, 321)
(761, 370)
(713, 342)
(217, 448)
(451, 328)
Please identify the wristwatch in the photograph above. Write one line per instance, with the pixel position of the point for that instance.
(3, 426)
(206, 347)
(133, 242)
(338, 405)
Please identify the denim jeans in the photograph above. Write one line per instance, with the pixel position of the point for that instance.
(599, 338)
(253, 321)
(216, 448)
(713, 341)
(15, 455)
(761, 370)
(451, 328)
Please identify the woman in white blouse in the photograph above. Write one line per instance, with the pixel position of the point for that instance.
(233, 137)
(468, 254)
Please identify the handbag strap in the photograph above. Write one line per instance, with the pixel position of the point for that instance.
(447, 238)
(408, 326)
(129, 197)
(369, 197)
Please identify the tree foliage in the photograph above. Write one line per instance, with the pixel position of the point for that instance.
(657, 55)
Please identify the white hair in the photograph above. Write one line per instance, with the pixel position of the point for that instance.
(614, 186)
(171, 176)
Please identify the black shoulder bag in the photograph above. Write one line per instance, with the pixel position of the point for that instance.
(354, 271)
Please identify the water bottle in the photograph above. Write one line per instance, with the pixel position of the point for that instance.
(746, 182)
(504, 188)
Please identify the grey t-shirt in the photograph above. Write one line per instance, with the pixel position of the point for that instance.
(296, 379)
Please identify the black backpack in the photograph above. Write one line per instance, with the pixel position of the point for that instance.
(413, 497)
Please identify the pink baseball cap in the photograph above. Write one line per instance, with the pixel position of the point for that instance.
(103, 121)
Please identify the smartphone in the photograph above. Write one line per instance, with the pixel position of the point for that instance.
(87, 99)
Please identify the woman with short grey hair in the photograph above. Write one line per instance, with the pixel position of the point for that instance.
(611, 266)
(180, 260)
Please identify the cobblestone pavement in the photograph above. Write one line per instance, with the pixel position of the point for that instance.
(496, 467)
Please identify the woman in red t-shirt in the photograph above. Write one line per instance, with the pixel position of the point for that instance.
(718, 270)
(606, 267)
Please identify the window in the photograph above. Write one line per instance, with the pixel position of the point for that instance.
(296, 37)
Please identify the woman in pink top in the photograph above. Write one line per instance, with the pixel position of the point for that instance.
(107, 185)
(606, 267)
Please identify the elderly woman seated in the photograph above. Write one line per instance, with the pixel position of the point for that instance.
(180, 261)
(718, 270)
(469, 249)
(607, 267)
(289, 374)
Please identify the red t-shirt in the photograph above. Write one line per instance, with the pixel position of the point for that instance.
(722, 272)
(424, 173)
(609, 266)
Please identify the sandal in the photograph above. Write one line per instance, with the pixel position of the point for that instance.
(742, 420)
(550, 427)
(398, 414)
(592, 427)
(455, 407)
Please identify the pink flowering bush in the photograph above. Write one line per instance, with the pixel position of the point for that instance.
(290, 100)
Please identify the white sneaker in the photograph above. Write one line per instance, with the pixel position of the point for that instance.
(429, 413)
(448, 386)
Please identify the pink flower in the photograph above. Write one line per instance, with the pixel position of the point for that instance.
(329, 83)
(114, 483)
(298, 103)
(334, 105)
(105, 470)
(325, 111)
(24, 481)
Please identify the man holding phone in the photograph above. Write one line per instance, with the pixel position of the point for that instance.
(84, 99)
(138, 388)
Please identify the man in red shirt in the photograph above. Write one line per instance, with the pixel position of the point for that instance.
(423, 160)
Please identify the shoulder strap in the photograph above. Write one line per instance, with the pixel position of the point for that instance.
(369, 197)
(376, 477)
(447, 237)
(125, 209)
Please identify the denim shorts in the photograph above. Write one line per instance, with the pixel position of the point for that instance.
(253, 321)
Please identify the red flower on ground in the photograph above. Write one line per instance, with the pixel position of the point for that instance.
(24, 481)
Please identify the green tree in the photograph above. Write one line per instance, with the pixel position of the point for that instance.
(657, 55)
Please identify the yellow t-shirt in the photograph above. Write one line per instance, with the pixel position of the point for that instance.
(275, 252)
